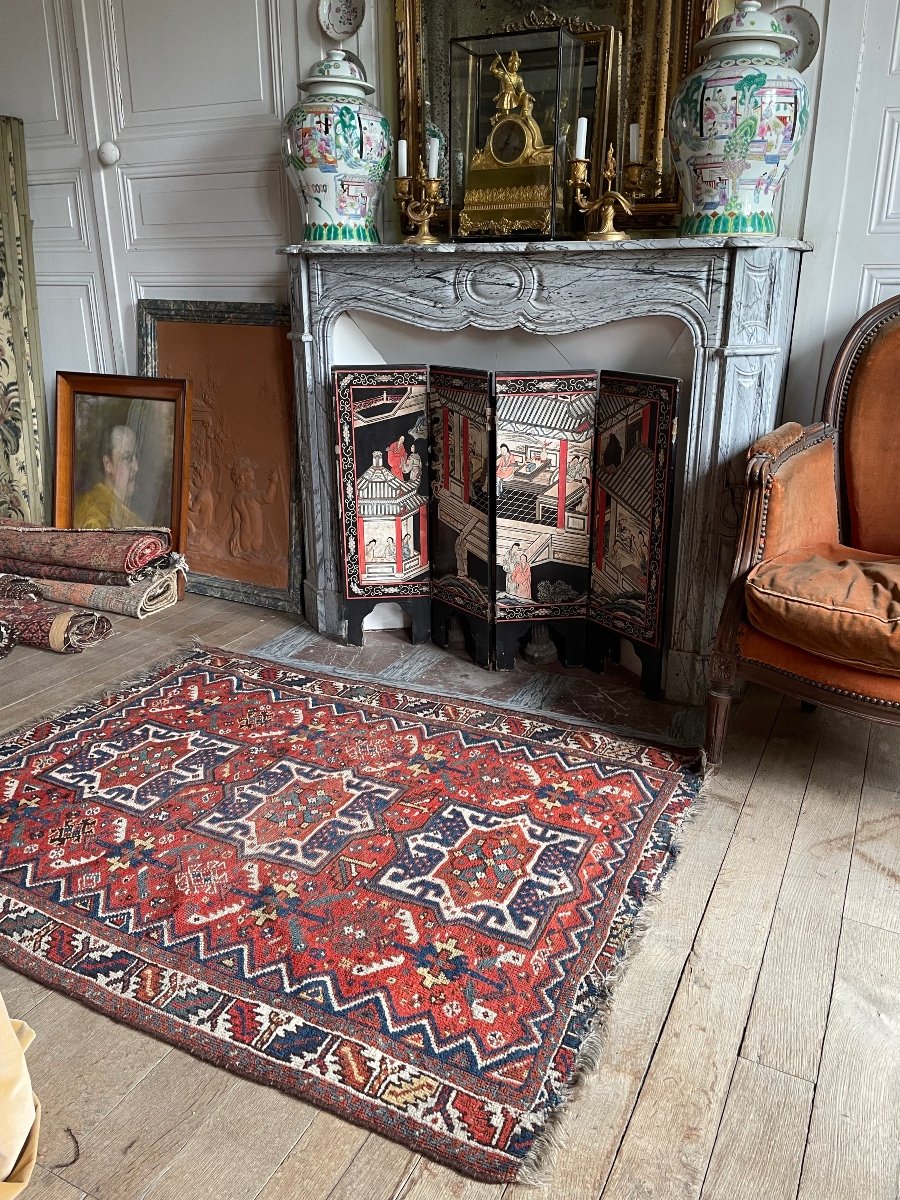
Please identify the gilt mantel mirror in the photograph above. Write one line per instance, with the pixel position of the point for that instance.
(636, 54)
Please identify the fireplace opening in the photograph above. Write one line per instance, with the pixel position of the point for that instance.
(540, 424)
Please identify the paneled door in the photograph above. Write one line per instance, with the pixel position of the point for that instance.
(853, 213)
(40, 81)
(187, 98)
(152, 131)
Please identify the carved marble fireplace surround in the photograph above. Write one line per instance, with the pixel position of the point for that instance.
(735, 295)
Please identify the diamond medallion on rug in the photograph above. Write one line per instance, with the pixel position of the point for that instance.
(404, 908)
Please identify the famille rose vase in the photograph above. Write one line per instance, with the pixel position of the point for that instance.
(736, 123)
(337, 150)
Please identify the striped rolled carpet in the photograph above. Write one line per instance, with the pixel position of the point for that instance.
(140, 600)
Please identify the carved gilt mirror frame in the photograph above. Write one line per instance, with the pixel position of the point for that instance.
(646, 55)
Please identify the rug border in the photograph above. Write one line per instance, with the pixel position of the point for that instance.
(681, 762)
(691, 755)
(683, 784)
(107, 1004)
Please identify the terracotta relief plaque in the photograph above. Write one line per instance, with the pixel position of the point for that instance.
(462, 483)
(382, 433)
(545, 437)
(631, 514)
(241, 540)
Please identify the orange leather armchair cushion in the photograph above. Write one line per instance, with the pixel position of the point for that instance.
(836, 602)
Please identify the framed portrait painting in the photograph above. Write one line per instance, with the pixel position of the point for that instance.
(122, 452)
(244, 538)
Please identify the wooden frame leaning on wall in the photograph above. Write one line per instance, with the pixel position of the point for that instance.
(244, 523)
(122, 452)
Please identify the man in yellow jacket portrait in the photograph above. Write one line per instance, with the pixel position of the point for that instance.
(105, 506)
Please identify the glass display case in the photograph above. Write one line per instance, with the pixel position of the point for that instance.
(514, 102)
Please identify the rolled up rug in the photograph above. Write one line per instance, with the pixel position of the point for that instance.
(173, 561)
(54, 626)
(38, 570)
(140, 600)
(9, 637)
(17, 587)
(117, 550)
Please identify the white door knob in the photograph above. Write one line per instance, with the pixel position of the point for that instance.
(108, 153)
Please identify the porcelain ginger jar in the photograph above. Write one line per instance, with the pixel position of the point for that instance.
(337, 150)
(736, 123)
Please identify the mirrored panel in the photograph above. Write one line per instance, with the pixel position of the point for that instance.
(636, 53)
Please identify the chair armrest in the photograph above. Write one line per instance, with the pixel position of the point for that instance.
(791, 500)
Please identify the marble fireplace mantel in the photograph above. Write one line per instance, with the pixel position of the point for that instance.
(736, 296)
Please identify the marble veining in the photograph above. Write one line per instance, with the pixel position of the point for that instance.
(736, 296)
(579, 247)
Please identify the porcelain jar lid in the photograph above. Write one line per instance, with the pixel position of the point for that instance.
(745, 25)
(336, 75)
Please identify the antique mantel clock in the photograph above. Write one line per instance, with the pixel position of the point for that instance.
(509, 186)
(510, 102)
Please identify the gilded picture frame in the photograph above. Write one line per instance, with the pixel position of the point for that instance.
(122, 452)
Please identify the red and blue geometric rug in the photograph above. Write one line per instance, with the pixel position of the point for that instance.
(403, 908)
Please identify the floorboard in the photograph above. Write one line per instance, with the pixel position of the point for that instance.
(854, 1138)
(787, 1020)
(670, 1138)
(765, 1109)
(873, 892)
(750, 1045)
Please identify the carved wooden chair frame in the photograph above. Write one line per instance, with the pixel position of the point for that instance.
(726, 665)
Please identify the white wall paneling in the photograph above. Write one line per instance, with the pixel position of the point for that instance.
(37, 75)
(853, 208)
(59, 211)
(877, 283)
(193, 95)
(71, 318)
(199, 205)
(885, 217)
(40, 81)
(181, 65)
(220, 286)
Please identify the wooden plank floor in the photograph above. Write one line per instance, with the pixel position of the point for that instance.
(752, 1052)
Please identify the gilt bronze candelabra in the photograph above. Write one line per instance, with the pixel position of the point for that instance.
(418, 199)
(606, 203)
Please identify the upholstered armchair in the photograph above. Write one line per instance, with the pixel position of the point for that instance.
(814, 603)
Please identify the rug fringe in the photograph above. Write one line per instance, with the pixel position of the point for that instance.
(92, 702)
(538, 1168)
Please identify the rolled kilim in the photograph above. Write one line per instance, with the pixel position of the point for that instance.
(117, 550)
(9, 637)
(54, 626)
(149, 596)
(17, 587)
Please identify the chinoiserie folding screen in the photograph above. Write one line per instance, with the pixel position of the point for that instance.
(508, 501)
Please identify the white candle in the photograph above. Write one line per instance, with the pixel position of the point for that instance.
(581, 138)
(401, 159)
(434, 149)
(634, 142)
